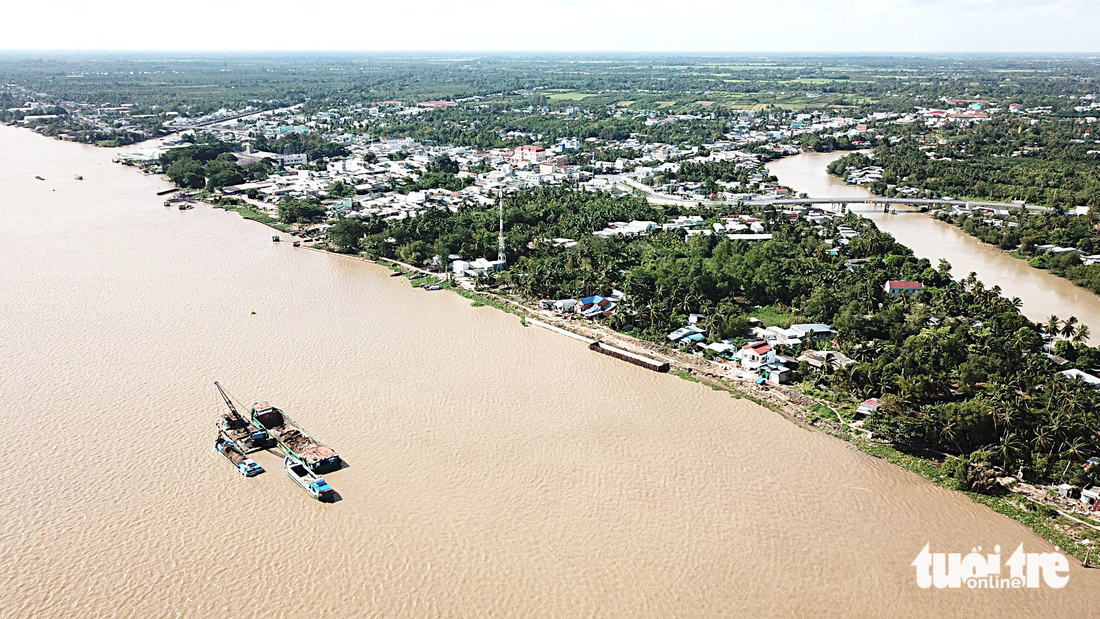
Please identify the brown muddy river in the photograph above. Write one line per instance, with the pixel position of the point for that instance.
(495, 470)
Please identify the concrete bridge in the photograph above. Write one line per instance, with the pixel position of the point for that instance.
(875, 202)
(885, 203)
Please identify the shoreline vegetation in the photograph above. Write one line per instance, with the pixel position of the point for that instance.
(1064, 244)
(805, 411)
(1031, 505)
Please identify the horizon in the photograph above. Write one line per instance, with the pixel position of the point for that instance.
(579, 53)
(565, 26)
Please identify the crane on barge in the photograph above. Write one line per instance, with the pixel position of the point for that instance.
(236, 428)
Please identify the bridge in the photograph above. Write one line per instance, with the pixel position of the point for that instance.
(208, 123)
(886, 202)
(876, 202)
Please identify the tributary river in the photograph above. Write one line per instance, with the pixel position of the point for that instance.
(1042, 294)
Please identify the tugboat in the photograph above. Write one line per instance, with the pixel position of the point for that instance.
(317, 487)
(245, 466)
(78, 177)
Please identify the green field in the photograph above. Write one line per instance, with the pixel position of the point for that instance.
(571, 96)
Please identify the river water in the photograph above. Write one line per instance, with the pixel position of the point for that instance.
(495, 470)
(1042, 294)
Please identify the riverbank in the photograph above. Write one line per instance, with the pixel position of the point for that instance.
(1042, 293)
(1038, 510)
(1051, 243)
(794, 404)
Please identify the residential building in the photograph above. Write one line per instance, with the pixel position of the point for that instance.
(756, 355)
(896, 287)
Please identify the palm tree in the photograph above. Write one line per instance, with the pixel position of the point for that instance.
(1069, 327)
(1009, 447)
(1081, 335)
(1073, 452)
(1053, 326)
(1042, 439)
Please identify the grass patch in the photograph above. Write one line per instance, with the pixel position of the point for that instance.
(774, 316)
(684, 375)
(248, 211)
(571, 96)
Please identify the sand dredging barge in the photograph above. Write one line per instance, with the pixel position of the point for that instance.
(294, 440)
(235, 428)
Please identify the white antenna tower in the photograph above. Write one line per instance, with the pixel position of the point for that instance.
(500, 233)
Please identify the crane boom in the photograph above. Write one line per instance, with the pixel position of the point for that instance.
(228, 402)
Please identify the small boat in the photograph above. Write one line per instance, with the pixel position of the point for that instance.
(40, 178)
(186, 206)
(245, 466)
(433, 287)
(297, 243)
(275, 239)
(317, 487)
(396, 274)
(78, 177)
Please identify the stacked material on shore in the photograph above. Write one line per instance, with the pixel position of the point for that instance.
(629, 357)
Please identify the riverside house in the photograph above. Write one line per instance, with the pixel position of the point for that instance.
(757, 355)
(897, 287)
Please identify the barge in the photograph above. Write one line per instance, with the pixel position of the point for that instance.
(245, 466)
(294, 440)
(629, 357)
(317, 487)
(234, 427)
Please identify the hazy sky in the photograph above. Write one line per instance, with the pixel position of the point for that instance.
(558, 25)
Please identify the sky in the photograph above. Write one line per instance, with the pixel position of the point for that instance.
(908, 26)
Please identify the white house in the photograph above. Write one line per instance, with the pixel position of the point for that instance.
(529, 154)
(1087, 378)
(896, 287)
(756, 355)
